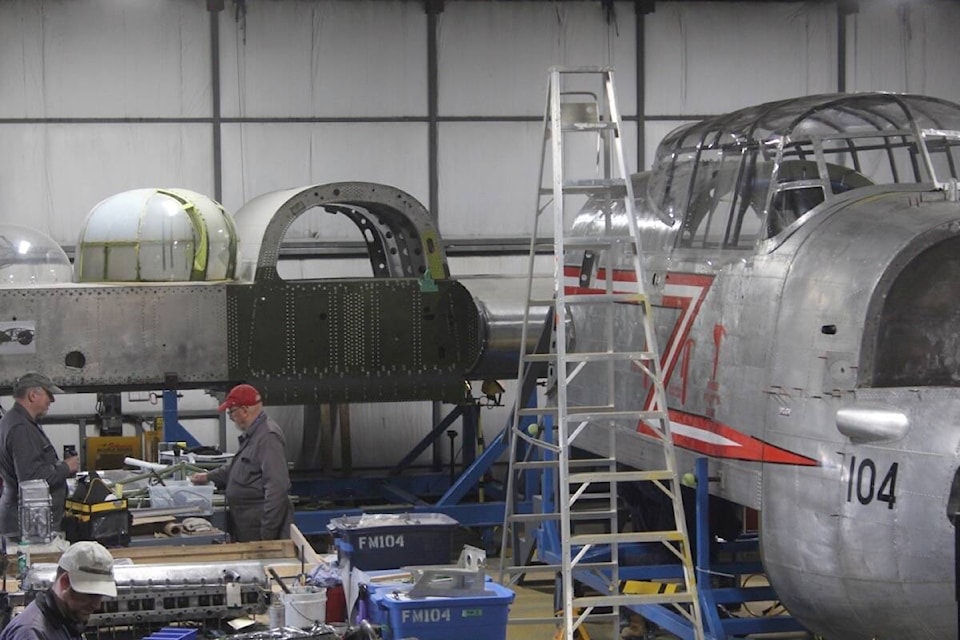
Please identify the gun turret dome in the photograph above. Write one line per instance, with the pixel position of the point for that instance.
(29, 257)
(157, 235)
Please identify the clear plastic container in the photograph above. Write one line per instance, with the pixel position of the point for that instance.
(182, 494)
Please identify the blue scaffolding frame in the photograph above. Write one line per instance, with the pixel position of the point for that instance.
(713, 599)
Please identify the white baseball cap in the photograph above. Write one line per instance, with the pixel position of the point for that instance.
(90, 567)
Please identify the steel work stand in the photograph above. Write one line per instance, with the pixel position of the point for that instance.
(734, 560)
(711, 597)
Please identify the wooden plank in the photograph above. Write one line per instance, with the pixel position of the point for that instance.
(179, 554)
(304, 551)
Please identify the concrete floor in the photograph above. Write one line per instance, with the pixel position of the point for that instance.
(537, 601)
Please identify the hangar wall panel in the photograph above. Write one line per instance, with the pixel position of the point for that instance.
(60, 171)
(488, 177)
(356, 58)
(654, 132)
(909, 48)
(707, 58)
(98, 58)
(64, 61)
(494, 56)
(489, 170)
(263, 157)
(463, 267)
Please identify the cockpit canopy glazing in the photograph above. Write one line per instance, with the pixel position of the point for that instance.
(755, 174)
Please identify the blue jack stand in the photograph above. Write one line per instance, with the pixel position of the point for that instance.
(730, 597)
(173, 431)
(741, 559)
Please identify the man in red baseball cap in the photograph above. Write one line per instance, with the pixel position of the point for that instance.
(257, 480)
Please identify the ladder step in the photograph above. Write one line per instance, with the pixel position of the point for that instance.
(526, 465)
(597, 514)
(545, 620)
(591, 299)
(588, 242)
(593, 413)
(532, 517)
(589, 127)
(579, 70)
(575, 414)
(541, 302)
(627, 599)
(552, 620)
(603, 298)
(594, 356)
(532, 465)
(587, 186)
(624, 538)
(621, 476)
(553, 568)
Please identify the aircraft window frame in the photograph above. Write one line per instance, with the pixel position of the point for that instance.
(943, 146)
(855, 141)
(721, 211)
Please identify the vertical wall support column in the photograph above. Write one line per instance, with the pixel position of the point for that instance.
(214, 7)
(640, 9)
(432, 8)
(844, 9)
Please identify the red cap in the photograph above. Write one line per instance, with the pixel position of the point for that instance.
(242, 395)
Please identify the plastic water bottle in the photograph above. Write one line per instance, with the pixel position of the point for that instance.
(23, 557)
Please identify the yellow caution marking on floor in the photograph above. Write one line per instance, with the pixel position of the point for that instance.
(643, 587)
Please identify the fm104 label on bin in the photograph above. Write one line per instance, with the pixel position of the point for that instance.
(387, 541)
(425, 616)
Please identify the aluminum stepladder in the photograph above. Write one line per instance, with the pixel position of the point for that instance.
(601, 381)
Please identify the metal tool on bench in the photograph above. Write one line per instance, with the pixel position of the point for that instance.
(466, 578)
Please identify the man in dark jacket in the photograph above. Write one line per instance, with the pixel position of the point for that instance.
(84, 577)
(26, 452)
(257, 480)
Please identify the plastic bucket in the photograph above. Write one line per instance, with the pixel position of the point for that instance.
(304, 607)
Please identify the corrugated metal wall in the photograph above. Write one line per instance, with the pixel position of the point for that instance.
(101, 96)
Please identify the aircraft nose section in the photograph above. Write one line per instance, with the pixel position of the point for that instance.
(867, 422)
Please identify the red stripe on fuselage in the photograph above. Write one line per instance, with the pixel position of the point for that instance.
(743, 447)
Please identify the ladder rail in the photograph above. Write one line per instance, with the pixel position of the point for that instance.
(524, 367)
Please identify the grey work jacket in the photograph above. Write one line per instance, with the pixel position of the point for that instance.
(26, 453)
(42, 620)
(258, 484)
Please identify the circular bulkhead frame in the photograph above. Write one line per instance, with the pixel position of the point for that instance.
(401, 238)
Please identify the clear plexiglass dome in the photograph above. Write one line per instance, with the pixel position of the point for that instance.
(157, 235)
(28, 257)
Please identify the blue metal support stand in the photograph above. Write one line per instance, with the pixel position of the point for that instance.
(404, 491)
(711, 598)
(173, 431)
(740, 559)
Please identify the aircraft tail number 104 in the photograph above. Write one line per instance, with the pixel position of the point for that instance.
(865, 484)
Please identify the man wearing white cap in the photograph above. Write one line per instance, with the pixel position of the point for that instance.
(84, 577)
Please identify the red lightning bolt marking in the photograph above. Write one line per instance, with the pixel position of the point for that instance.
(703, 434)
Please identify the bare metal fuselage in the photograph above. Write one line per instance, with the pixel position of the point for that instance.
(761, 352)
(817, 367)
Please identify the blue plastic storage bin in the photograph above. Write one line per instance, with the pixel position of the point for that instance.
(391, 541)
(173, 633)
(469, 617)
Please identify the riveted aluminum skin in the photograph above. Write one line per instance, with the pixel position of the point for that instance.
(806, 306)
